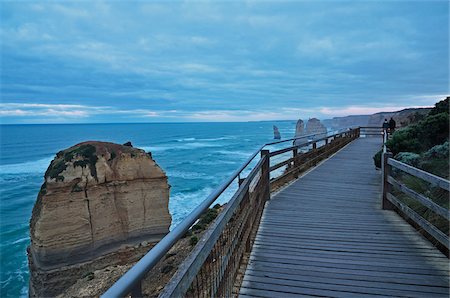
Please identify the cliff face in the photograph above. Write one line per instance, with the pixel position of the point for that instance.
(97, 198)
(403, 118)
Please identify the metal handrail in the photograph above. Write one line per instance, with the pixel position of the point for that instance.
(136, 273)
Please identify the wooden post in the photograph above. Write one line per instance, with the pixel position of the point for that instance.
(295, 163)
(265, 173)
(386, 169)
(326, 141)
(314, 146)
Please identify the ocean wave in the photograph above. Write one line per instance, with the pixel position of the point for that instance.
(37, 166)
(182, 203)
(156, 148)
(218, 139)
(234, 153)
(206, 139)
(186, 140)
(186, 146)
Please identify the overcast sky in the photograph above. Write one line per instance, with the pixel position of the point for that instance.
(229, 61)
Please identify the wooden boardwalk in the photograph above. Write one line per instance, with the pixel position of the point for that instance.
(326, 235)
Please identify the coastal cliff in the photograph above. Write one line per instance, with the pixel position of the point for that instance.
(403, 118)
(101, 204)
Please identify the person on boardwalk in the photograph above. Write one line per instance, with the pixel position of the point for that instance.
(385, 125)
(392, 125)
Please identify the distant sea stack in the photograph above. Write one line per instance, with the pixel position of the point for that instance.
(276, 133)
(313, 126)
(100, 203)
(300, 131)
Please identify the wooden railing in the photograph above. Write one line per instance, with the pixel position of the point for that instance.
(213, 267)
(300, 161)
(371, 130)
(391, 202)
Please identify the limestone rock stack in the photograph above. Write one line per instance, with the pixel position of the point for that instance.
(313, 126)
(300, 131)
(276, 133)
(98, 202)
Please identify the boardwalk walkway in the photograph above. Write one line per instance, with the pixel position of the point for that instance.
(326, 235)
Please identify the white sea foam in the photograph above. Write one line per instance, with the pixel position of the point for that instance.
(185, 146)
(234, 153)
(182, 203)
(186, 140)
(188, 175)
(156, 148)
(37, 166)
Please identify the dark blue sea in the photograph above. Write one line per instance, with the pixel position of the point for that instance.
(196, 157)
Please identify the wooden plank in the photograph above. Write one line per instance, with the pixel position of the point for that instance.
(427, 202)
(298, 269)
(325, 235)
(331, 285)
(349, 279)
(433, 179)
(348, 263)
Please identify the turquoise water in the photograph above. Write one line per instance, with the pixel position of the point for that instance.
(197, 157)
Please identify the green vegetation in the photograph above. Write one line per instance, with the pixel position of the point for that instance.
(424, 145)
(76, 188)
(59, 164)
(202, 224)
(113, 155)
(89, 275)
(425, 138)
(194, 240)
(56, 167)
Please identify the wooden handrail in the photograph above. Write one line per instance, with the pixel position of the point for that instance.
(391, 202)
(433, 179)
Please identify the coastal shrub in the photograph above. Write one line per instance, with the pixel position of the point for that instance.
(166, 269)
(410, 158)
(76, 188)
(423, 135)
(438, 151)
(86, 151)
(208, 216)
(440, 107)
(194, 240)
(433, 130)
(113, 155)
(56, 167)
(377, 159)
(89, 275)
(405, 140)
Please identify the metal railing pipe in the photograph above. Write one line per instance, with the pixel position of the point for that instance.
(136, 273)
(131, 278)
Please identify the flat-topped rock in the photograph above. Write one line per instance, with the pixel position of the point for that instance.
(97, 198)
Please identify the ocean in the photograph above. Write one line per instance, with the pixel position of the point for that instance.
(196, 157)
